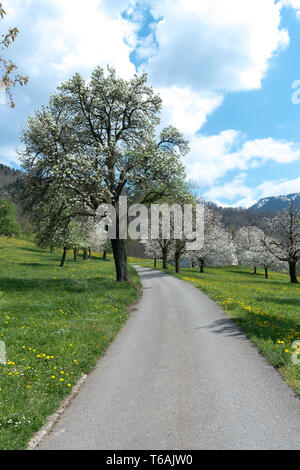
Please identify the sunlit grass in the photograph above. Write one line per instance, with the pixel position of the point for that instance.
(55, 323)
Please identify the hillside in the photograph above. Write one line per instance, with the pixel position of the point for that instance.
(8, 176)
(276, 203)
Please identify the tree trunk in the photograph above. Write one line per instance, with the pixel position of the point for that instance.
(202, 266)
(51, 249)
(75, 255)
(255, 270)
(293, 272)
(165, 258)
(120, 257)
(104, 255)
(90, 253)
(266, 273)
(62, 263)
(85, 254)
(177, 263)
(154, 262)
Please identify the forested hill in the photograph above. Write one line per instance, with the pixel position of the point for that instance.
(8, 176)
(240, 217)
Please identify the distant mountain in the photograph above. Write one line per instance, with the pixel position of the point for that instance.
(276, 203)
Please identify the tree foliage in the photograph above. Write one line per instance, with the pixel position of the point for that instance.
(283, 238)
(8, 224)
(251, 249)
(217, 247)
(8, 76)
(97, 139)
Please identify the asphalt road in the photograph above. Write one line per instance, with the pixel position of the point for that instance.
(180, 375)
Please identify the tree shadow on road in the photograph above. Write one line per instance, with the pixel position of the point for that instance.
(224, 327)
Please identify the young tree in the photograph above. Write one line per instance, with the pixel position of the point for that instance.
(8, 77)
(172, 243)
(159, 247)
(97, 139)
(8, 224)
(283, 238)
(153, 249)
(217, 248)
(251, 249)
(248, 243)
(268, 261)
(96, 236)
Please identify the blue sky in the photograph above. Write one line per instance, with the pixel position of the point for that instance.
(224, 69)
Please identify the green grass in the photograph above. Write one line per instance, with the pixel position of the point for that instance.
(55, 323)
(267, 310)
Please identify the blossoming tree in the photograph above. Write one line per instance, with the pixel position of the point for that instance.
(97, 139)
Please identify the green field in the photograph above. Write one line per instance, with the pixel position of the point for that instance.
(55, 323)
(267, 310)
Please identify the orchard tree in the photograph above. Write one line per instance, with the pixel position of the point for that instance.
(50, 209)
(179, 249)
(96, 236)
(97, 139)
(283, 238)
(268, 261)
(67, 237)
(173, 243)
(248, 243)
(217, 247)
(53, 224)
(159, 247)
(153, 249)
(251, 248)
(8, 224)
(8, 76)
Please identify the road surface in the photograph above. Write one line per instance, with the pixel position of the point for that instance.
(180, 375)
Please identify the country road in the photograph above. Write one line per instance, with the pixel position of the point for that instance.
(180, 375)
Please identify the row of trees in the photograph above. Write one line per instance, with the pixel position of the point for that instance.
(96, 141)
(75, 235)
(273, 245)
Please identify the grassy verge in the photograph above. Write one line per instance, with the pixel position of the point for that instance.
(267, 310)
(55, 323)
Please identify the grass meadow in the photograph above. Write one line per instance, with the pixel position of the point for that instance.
(267, 310)
(55, 323)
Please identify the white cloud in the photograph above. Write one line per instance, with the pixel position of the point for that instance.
(8, 155)
(214, 44)
(232, 190)
(279, 187)
(188, 109)
(270, 149)
(200, 52)
(213, 156)
(89, 36)
(197, 53)
(64, 37)
(247, 196)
